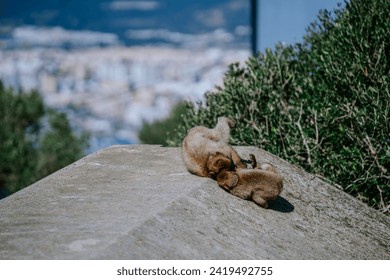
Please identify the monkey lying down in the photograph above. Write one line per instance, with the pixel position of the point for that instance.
(206, 153)
(202, 142)
(261, 184)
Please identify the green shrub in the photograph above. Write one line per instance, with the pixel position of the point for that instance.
(323, 104)
(34, 140)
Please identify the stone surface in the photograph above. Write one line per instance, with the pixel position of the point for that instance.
(139, 202)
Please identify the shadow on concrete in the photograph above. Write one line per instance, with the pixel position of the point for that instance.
(281, 205)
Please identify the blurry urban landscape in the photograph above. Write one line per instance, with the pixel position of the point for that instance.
(109, 82)
(111, 91)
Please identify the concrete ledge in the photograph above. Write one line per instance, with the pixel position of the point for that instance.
(139, 202)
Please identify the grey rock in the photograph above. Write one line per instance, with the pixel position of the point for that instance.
(139, 202)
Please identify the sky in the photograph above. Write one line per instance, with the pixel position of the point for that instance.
(285, 21)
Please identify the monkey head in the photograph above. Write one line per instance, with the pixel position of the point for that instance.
(218, 162)
(227, 179)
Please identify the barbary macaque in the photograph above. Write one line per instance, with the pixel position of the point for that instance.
(206, 151)
(261, 184)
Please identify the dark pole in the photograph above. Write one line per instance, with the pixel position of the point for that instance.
(253, 19)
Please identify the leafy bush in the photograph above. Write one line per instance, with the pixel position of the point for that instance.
(323, 104)
(34, 141)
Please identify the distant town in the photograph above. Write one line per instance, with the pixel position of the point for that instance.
(113, 65)
(112, 89)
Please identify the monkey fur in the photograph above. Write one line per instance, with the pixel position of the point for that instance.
(205, 151)
(261, 184)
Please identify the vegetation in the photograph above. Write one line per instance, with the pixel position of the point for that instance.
(323, 103)
(157, 132)
(34, 140)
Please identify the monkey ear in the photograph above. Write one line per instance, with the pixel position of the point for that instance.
(227, 179)
(232, 180)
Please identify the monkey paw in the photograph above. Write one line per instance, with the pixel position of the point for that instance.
(231, 122)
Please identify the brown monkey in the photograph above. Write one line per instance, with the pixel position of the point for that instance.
(260, 184)
(206, 151)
